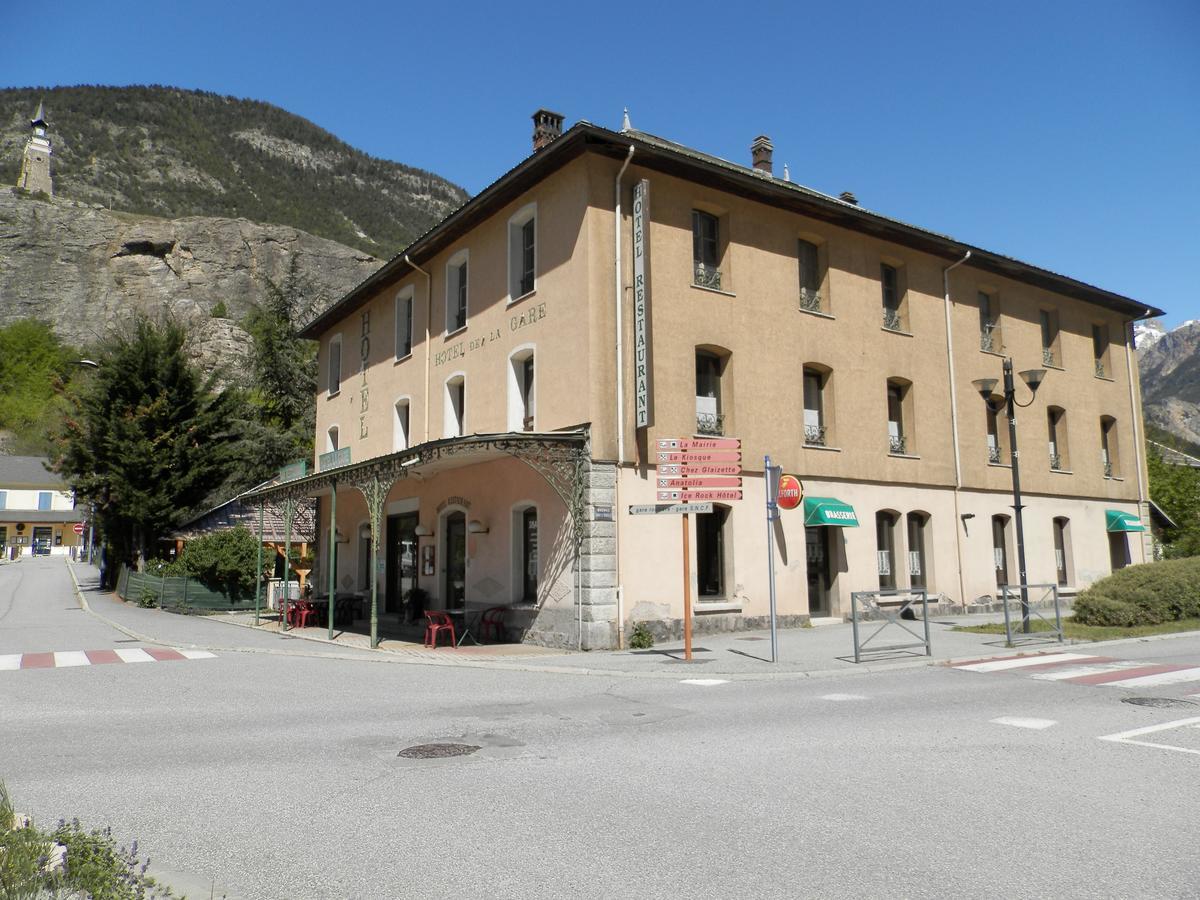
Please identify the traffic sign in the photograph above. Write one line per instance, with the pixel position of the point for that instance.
(702, 495)
(659, 509)
(77, 528)
(685, 444)
(685, 483)
(700, 456)
(697, 470)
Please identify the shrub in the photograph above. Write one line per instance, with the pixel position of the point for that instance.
(148, 598)
(641, 638)
(1147, 594)
(220, 311)
(224, 560)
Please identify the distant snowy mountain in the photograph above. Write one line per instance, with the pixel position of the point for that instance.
(1146, 334)
(1170, 370)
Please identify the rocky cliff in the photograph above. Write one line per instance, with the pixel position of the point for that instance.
(1170, 370)
(86, 269)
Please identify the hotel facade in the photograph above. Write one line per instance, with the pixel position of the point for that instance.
(491, 400)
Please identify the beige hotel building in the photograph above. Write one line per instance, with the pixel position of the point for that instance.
(495, 393)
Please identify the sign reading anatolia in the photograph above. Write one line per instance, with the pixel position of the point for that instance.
(694, 470)
(641, 297)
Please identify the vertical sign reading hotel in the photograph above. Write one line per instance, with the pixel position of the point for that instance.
(641, 299)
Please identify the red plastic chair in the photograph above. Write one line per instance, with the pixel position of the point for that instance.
(304, 612)
(439, 623)
(491, 624)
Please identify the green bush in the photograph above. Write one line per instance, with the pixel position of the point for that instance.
(1147, 594)
(641, 638)
(148, 598)
(223, 561)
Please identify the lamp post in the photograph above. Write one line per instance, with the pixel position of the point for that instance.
(986, 386)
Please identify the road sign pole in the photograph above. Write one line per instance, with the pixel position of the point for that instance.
(687, 594)
(771, 476)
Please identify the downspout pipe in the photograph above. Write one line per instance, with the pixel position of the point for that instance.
(958, 522)
(1136, 418)
(619, 305)
(428, 317)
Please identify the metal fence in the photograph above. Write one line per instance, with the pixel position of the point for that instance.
(1022, 628)
(177, 592)
(891, 608)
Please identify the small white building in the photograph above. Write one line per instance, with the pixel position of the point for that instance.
(37, 510)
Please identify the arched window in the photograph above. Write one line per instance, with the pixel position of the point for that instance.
(1062, 551)
(331, 439)
(525, 552)
(400, 439)
(711, 402)
(522, 397)
(1056, 432)
(1000, 550)
(818, 405)
(1109, 456)
(900, 417)
(885, 548)
(918, 550)
(455, 411)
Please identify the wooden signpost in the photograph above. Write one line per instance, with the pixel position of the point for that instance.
(693, 472)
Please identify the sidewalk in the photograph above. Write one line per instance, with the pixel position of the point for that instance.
(823, 651)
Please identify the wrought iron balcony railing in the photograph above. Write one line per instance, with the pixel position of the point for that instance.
(814, 435)
(994, 455)
(1056, 462)
(706, 276)
(987, 338)
(1108, 469)
(810, 300)
(1100, 369)
(1048, 356)
(710, 423)
(897, 443)
(891, 320)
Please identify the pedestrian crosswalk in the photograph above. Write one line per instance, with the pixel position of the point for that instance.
(1084, 668)
(64, 659)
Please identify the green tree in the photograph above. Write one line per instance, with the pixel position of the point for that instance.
(1177, 490)
(146, 439)
(34, 367)
(224, 560)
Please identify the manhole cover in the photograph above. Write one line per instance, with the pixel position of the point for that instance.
(1157, 702)
(437, 751)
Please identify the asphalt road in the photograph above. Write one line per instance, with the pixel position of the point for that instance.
(273, 775)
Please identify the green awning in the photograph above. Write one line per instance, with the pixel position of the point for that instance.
(829, 511)
(1116, 520)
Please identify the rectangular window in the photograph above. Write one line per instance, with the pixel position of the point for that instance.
(989, 325)
(999, 550)
(814, 409)
(1049, 324)
(1057, 438)
(1108, 447)
(706, 249)
(3, 499)
(918, 569)
(995, 454)
(43, 500)
(709, 419)
(895, 411)
(527, 256)
(400, 426)
(335, 364)
(885, 544)
(455, 412)
(522, 252)
(404, 325)
(456, 293)
(527, 398)
(1100, 350)
(810, 276)
(1060, 551)
(710, 552)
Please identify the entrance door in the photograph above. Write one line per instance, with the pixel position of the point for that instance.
(41, 541)
(820, 578)
(1118, 550)
(455, 588)
(401, 559)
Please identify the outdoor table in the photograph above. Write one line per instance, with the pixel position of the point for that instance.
(461, 630)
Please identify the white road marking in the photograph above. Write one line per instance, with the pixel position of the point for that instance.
(1125, 737)
(196, 654)
(1019, 722)
(71, 658)
(838, 698)
(1080, 671)
(703, 682)
(134, 655)
(997, 665)
(10, 662)
(1180, 676)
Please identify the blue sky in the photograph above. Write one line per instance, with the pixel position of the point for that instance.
(1066, 134)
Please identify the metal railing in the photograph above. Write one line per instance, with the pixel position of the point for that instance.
(893, 608)
(810, 300)
(1108, 469)
(1047, 356)
(994, 455)
(897, 443)
(1022, 629)
(814, 435)
(891, 320)
(710, 423)
(706, 276)
(1056, 462)
(1100, 369)
(987, 338)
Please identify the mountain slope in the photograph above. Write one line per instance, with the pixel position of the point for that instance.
(1170, 370)
(176, 153)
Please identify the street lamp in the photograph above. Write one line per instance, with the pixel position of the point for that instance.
(90, 364)
(986, 386)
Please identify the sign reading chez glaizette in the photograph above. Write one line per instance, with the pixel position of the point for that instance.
(641, 300)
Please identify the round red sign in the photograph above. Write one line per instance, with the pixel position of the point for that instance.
(791, 492)
(77, 528)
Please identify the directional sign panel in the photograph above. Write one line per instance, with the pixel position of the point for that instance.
(695, 496)
(700, 456)
(698, 470)
(660, 509)
(684, 444)
(687, 483)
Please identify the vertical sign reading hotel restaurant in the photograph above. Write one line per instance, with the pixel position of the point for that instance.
(641, 297)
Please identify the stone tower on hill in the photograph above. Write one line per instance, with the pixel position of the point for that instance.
(35, 167)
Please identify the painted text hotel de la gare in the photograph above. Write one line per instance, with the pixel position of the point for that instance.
(495, 394)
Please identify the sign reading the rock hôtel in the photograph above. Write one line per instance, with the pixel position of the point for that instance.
(641, 299)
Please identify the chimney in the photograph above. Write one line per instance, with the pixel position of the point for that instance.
(760, 153)
(546, 127)
(848, 197)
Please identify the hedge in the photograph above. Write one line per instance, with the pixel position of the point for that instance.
(1147, 594)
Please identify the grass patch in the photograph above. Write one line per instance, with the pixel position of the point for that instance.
(1080, 632)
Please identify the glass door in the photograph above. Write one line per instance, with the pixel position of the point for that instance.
(817, 552)
(401, 560)
(455, 588)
